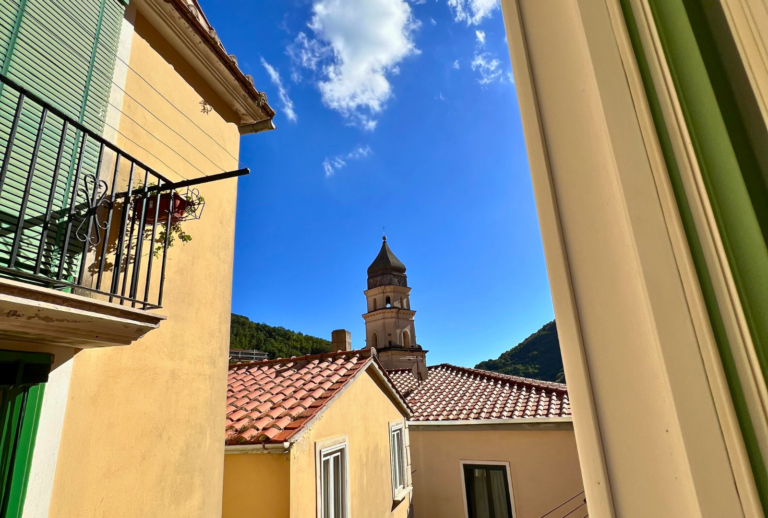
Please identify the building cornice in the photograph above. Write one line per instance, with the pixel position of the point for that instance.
(372, 315)
(203, 51)
(387, 288)
(520, 424)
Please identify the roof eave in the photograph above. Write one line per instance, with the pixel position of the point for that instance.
(202, 50)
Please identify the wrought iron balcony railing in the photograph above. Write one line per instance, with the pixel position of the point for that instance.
(78, 213)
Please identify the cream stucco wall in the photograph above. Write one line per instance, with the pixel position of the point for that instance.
(256, 485)
(143, 434)
(362, 414)
(544, 468)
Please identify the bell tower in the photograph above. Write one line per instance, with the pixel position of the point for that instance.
(389, 326)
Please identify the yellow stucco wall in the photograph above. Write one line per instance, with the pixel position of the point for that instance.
(544, 468)
(362, 413)
(256, 485)
(143, 433)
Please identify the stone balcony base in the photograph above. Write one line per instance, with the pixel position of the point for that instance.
(50, 317)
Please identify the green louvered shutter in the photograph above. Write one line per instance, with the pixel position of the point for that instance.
(63, 51)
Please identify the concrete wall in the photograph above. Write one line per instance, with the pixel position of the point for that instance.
(544, 468)
(256, 485)
(362, 414)
(143, 434)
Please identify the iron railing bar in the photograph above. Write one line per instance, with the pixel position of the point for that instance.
(27, 189)
(51, 196)
(121, 236)
(89, 213)
(139, 241)
(66, 284)
(128, 255)
(168, 230)
(152, 243)
(73, 122)
(72, 206)
(188, 183)
(11, 140)
(110, 211)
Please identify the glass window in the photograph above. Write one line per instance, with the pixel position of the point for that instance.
(487, 491)
(397, 457)
(333, 482)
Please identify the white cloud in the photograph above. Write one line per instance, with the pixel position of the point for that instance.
(456, 64)
(441, 98)
(480, 38)
(357, 46)
(472, 11)
(487, 67)
(333, 164)
(286, 101)
(432, 21)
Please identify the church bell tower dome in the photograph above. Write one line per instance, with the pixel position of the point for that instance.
(386, 269)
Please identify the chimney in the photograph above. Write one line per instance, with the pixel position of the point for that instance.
(341, 340)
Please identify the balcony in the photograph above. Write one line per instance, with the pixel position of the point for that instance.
(84, 237)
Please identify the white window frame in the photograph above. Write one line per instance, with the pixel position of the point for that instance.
(487, 463)
(325, 449)
(398, 491)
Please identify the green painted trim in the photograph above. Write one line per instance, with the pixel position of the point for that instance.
(14, 37)
(13, 356)
(720, 166)
(14, 504)
(697, 254)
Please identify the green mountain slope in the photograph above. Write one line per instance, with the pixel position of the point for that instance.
(279, 342)
(538, 357)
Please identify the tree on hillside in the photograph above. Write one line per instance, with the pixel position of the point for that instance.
(278, 342)
(538, 357)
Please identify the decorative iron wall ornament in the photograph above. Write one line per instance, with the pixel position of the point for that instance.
(96, 191)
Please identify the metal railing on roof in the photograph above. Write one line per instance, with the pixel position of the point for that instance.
(79, 213)
(247, 355)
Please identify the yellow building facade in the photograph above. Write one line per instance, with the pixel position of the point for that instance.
(130, 421)
(360, 414)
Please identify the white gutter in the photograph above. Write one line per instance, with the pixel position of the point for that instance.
(486, 422)
(247, 449)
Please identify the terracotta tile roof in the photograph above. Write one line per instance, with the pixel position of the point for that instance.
(271, 401)
(453, 393)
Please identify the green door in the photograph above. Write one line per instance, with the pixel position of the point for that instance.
(22, 384)
(64, 52)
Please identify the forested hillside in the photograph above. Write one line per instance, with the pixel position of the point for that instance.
(538, 357)
(277, 341)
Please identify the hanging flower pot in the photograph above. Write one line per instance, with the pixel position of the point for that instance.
(169, 201)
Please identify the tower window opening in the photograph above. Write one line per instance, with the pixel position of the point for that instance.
(406, 339)
(374, 305)
(389, 302)
(374, 340)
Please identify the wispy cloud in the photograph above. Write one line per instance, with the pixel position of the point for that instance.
(480, 38)
(456, 64)
(487, 67)
(432, 21)
(472, 11)
(333, 164)
(356, 46)
(285, 100)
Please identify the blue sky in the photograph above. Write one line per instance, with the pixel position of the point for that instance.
(391, 114)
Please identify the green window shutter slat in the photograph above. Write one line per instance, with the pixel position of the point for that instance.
(65, 52)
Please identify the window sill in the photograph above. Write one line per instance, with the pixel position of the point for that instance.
(400, 495)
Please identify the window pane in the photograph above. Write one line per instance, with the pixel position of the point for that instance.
(499, 492)
(482, 507)
(338, 490)
(326, 483)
